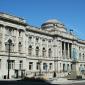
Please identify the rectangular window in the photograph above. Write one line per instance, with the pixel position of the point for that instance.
(44, 66)
(30, 65)
(71, 66)
(20, 47)
(64, 68)
(37, 39)
(37, 65)
(20, 64)
(30, 38)
(19, 33)
(11, 64)
(50, 66)
(67, 67)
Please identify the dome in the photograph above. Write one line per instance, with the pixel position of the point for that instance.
(54, 21)
(53, 24)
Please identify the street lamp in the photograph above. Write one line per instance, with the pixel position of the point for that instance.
(9, 44)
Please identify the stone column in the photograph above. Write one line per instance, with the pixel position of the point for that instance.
(68, 51)
(64, 50)
(23, 42)
(17, 41)
(3, 38)
(70, 47)
(33, 46)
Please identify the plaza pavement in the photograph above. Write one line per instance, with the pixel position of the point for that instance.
(65, 81)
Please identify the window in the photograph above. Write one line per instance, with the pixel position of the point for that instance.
(20, 33)
(43, 52)
(50, 66)
(68, 67)
(80, 67)
(30, 50)
(30, 38)
(71, 67)
(44, 66)
(80, 56)
(64, 68)
(49, 52)
(83, 56)
(49, 41)
(20, 47)
(11, 64)
(84, 66)
(20, 64)
(6, 47)
(43, 40)
(37, 51)
(30, 65)
(37, 39)
(37, 65)
(0, 63)
(9, 31)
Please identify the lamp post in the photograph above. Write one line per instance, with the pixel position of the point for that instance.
(9, 44)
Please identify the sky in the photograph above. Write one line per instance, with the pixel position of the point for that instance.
(36, 12)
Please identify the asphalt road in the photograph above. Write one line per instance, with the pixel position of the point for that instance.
(23, 83)
(33, 83)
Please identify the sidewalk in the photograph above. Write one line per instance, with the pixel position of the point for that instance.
(65, 81)
(9, 79)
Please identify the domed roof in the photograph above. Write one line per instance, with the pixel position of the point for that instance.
(53, 21)
(53, 24)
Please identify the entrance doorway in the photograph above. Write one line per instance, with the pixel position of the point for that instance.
(16, 74)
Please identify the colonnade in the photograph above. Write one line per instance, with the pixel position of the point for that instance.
(66, 50)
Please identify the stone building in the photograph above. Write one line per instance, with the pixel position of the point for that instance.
(50, 50)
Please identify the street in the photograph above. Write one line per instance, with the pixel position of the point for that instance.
(35, 83)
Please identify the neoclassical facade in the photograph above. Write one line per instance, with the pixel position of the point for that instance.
(50, 50)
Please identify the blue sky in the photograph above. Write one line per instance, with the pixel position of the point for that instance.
(70, 12)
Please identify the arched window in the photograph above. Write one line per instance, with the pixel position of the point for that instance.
(30, 50)
(43, 52)
(49, 52)
(37, 51)
(83, 56)
(20, 47)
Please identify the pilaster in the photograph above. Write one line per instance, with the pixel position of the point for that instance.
(3, 38)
